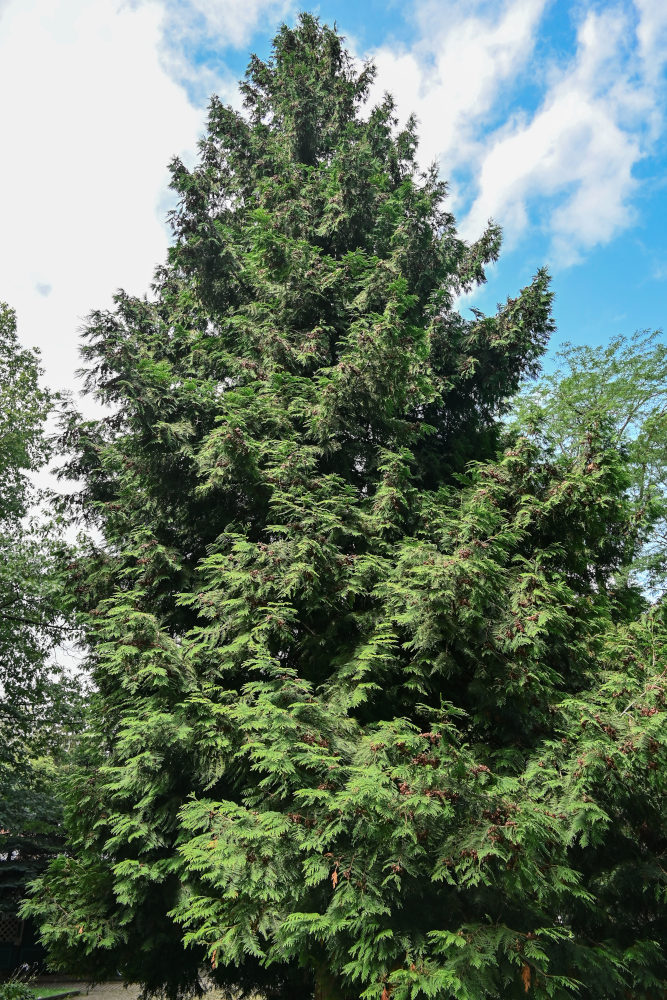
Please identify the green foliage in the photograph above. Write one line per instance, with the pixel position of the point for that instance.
(378, 713)
(16, 990)
(23, 408)
(619, 394)
(39, 704)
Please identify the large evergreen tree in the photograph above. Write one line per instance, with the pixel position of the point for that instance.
(377, 713)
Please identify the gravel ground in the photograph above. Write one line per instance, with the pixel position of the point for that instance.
(102, 991)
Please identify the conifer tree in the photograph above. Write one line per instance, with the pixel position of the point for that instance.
(375, 715)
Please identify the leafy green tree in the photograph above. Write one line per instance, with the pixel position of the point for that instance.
(374, 716)
(38, 702)
(619, 393)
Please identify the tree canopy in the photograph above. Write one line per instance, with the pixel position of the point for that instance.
(378, 715)
(38, 701)
(618, 392)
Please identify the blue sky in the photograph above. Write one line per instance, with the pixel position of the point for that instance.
(550, 116)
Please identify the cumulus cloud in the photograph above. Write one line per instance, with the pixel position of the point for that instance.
(565, 164)
(103, 95)
(454, 75)
(196, 32)
(232, 22)
(91, 124)
(652, 35)
(575, 155)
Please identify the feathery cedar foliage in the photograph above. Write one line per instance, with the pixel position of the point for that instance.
(375, 716)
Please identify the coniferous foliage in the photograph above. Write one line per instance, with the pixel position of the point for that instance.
(373, 717)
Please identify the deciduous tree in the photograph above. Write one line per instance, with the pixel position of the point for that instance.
(617, 392)
(39, 703)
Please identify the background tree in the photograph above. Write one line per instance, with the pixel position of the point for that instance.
(618, 392)
(39, 704)
(371, 721)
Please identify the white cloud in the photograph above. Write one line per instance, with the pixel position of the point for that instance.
(565, 166)
(576, 154)
(453, 76)
(207, 28)
(90, 127)
(652, 35)
(231, 22)
(99, 106)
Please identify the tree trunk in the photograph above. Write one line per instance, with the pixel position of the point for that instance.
(326, 987)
